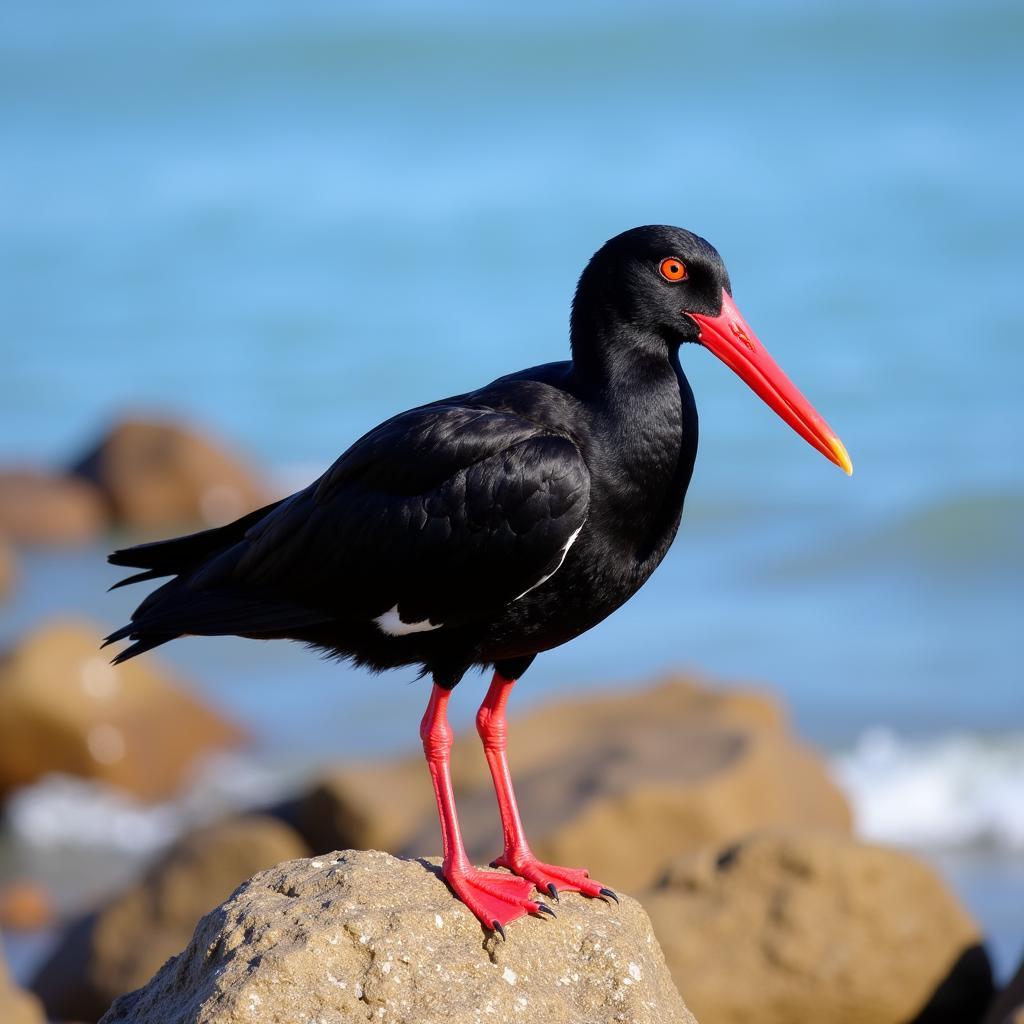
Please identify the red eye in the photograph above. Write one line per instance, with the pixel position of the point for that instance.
(673, 269)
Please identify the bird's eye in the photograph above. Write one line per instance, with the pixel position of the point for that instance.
(673, 269)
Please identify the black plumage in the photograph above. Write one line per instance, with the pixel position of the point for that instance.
(453, 513)
(488, 527)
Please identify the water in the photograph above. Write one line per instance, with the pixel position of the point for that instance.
(289, 222)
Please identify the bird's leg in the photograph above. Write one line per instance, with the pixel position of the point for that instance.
(518, 857)
(494, 898)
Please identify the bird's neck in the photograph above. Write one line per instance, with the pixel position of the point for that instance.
(632, 377)
(646, 417)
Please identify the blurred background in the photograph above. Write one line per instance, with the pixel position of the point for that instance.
(281, 224)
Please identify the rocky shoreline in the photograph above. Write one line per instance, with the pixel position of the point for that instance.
(725, 827)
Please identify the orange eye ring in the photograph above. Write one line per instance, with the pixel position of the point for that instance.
(673, 269)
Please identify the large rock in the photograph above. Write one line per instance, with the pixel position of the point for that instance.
(374, 806)
(16, 1006)
(363, 936)
(121, 946)
(797, 926)
(1008, 1007)
(160, 475)
(41, 508)
(619, 783)
(65, 708)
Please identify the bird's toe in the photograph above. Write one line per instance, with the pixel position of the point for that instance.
(496, 899)
(551, 878)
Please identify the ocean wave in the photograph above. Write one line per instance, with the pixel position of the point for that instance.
(63, 811)
(953, 792)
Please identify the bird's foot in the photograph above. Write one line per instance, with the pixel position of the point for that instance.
(494, 898)
(550, 878)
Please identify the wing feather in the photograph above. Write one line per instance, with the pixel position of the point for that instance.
(443, 514)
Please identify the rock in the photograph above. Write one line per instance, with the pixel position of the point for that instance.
(120, 947)
(16, 1006)
(1008, 1007)
(25, 906)
(8, 569)
(65, 708)
(40, 508)
(364, 936)
(794, 926)
(619, 783)
(375, 806)
(161, 475)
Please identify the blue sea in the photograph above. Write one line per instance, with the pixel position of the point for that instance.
(286, 222)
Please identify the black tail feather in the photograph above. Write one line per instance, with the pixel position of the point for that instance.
(141, 577)
(184, 606)
(179, 554)
(131, 630)
(176, 609)
(141, 646)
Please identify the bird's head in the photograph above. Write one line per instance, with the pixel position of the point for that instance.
(662, 286)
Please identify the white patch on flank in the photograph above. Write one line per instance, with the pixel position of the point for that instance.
(568, 544)
(392, 624)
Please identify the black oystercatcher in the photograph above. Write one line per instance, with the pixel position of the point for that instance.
(486, 528)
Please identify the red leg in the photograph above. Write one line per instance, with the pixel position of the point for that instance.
(518, 857)
(494, 898)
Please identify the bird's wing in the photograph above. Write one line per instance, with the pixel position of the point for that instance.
(436, 517)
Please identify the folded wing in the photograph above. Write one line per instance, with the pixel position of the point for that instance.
(440, 516)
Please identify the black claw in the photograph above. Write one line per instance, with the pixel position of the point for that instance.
(553, 891)
(496, 925)
(543, 908)
(609, 894)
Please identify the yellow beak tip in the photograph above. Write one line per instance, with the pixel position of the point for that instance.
(842, 457)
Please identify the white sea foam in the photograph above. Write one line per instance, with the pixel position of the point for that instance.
(66, 811)
(950, 792)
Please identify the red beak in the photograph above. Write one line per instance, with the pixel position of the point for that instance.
(729, 336)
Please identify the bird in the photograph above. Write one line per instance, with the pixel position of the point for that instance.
(481, 530)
